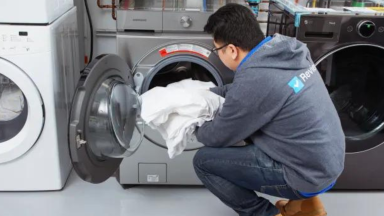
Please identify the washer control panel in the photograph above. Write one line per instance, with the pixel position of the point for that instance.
(343, 29)
(15, 40)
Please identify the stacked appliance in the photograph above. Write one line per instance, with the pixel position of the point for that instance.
(39, 68)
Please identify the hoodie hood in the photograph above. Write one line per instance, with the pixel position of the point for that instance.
(281, 53)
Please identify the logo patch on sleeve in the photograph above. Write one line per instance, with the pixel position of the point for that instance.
(296, 84)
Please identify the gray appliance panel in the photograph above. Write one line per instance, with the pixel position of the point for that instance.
(152, 173)
(180, 170)
(139, 20)
(172, 21)
(319, 29)
(141, 50)
(133, 46)
(165, 16)
(363, 171)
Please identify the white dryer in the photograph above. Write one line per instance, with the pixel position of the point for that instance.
(38, 73)
(33, 12)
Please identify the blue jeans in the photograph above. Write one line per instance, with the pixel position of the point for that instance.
(234, 174)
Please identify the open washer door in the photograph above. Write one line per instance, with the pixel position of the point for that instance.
(105, 124)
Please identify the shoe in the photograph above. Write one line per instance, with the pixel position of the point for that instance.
(308, 207)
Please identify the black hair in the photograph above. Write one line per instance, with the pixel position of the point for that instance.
(235, 24)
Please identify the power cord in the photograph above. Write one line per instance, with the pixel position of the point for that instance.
(91, 31)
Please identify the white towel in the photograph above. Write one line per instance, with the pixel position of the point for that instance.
(11, 101)
(176, 110)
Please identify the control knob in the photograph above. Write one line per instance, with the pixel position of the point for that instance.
(186, 21)
(366, 29)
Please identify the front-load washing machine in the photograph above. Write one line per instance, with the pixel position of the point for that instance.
(33, 12)
(105, 125)
(347, 46)
(38, 73)
(157, 45)
(163, 50)
(159, 59)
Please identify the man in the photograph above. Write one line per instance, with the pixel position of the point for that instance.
(279, 103)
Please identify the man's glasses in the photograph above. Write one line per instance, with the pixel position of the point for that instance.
(215, 50)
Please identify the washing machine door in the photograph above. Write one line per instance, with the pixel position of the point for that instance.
(21, 112)
(354, 76)
(105, 124)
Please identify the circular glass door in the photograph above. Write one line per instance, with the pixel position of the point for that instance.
(114, 127)
(21, 112)
(354, 76)
(13, 109)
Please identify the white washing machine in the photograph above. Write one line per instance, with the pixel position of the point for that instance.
(38, 73)
(33, 12)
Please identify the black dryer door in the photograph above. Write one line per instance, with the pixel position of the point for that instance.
(354, 76)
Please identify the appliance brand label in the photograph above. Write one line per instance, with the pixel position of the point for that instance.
(139, 20)
(152, 178)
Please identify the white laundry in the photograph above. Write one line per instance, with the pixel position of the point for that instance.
(191, 84)
(177, 109)
(11, 102)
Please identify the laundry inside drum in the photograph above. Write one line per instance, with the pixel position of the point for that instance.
(175, 72)
(13, 109)
(178, 71)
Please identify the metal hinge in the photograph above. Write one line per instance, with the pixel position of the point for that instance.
(138, 79)
(80, 142)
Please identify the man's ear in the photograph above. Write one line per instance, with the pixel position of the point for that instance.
(232, 49)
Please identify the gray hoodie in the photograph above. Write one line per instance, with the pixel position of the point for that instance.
(279, 101)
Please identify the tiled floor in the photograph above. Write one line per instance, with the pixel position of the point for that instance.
(109, 199)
